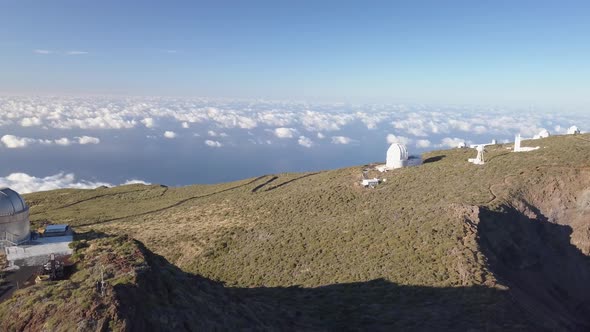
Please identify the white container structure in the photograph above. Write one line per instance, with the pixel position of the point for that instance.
(370, 183)
(518, 148)
(474, 146)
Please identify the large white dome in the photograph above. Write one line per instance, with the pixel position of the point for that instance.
(11, 202)
(14, 218)
(397, 156)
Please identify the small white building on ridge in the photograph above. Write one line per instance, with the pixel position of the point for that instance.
(372, 183)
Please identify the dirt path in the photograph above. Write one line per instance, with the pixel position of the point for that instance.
(264, 184)
(492, 187)
(100, 196)
(493, 192)
(290, 181)
(173, 205)
(583, 139)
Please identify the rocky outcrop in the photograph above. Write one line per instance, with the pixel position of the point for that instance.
(538, 243)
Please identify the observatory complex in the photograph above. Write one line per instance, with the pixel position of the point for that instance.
(14, 219)
(20, 247)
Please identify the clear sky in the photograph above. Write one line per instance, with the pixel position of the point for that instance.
(482, 52)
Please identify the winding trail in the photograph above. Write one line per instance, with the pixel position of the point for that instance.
(492, 187)
(264, 184)
(256, 189)
(495, 195)
(172, 205)
(290, 181)
(100, 196)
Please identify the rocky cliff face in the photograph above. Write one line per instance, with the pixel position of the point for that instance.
(537, 243)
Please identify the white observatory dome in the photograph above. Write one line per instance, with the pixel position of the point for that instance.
(573, 130)
(14, 218)
(397, 156)
(542, 134)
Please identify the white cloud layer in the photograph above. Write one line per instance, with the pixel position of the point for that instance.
(451, 142)
(24, 183)
(285, 132)
(88, 140)
(76, 52)
(15, 142)
(148, 122)
(341, 140)
(304, 141)
(127, 113)
(170, 134)
(63, 141)
(213, 144)
(391, 138)
(414, 124)
(423, 143)
(135, 181)
(30, 122)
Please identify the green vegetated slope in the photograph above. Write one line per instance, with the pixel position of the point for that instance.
(422, 248)
(144, 292)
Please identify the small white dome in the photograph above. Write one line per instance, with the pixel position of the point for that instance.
(397, 156)
(542, 134)
(573, 130)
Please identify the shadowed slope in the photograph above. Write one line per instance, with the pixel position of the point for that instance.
(146, 293)
(546, 274)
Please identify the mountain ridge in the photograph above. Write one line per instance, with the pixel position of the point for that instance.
(439, 237)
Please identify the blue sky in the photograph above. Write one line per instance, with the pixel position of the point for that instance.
(512, 53)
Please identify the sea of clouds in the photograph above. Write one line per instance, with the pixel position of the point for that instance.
(111, 140)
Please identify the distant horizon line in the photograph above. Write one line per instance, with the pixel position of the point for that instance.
(492, 107)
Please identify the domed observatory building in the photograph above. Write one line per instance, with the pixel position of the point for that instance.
(542, 134)
(573, 130)
(397, 156)
(14, 218)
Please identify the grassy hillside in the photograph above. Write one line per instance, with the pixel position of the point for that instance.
(423, 247)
